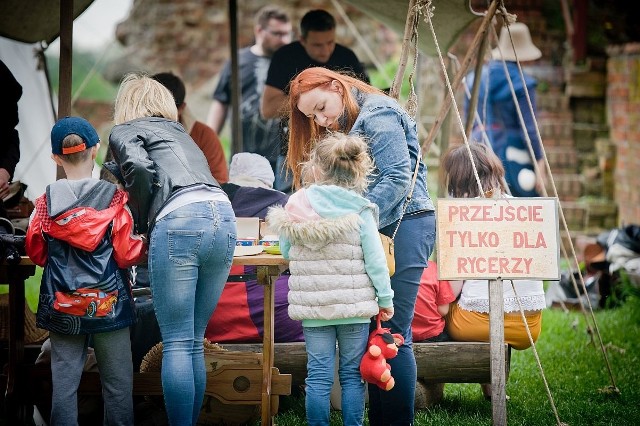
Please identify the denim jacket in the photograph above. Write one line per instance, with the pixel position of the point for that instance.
(393, 144)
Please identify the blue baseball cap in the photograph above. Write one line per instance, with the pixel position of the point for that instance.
(73, 126)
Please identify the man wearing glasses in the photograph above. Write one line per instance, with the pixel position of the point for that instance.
(260, 136)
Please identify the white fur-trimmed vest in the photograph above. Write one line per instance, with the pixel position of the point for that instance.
(328, 280)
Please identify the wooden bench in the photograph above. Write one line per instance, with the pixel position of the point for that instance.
(233, 394)
(437, 363)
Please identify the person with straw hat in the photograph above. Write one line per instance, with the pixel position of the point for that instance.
(498, 114)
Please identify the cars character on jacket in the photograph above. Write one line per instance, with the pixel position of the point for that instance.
(88, 302)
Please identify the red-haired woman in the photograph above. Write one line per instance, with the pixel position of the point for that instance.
(322, 100)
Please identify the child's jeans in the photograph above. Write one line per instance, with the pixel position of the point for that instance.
(113, 354)
(321, 352)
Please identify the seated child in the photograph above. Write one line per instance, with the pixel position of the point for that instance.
(468, 318)
(432, 305)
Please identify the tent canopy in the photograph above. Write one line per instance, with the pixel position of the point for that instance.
(450, 18)
(39, 20)
(33, 21)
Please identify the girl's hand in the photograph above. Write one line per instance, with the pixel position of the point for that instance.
(386, 314)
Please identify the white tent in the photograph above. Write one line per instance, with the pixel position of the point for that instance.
(36, 169)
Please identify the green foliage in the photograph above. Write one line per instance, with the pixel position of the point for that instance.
(621, 289)
(96, 88)
(574, 368)
(382, 80)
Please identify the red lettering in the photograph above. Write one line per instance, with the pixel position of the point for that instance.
(453, 211)
(462, 265)
(522, 213)
(486, 213)
(537, 214)
(480, 268)
(451, 234)
(493, 267)
(516, 268)
(504, 265)
(464, 212)
(518, 240)
(509, 214)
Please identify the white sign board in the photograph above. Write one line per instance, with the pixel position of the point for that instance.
(504, 238)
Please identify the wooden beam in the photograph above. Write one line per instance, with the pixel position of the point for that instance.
(65, 68)
(236, 94)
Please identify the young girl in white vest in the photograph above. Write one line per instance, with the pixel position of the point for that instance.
(339, 275)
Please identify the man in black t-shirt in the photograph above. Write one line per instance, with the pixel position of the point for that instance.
(316, 47)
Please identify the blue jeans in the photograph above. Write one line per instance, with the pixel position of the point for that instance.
(321, 353)
(413, 245)
(190, 254)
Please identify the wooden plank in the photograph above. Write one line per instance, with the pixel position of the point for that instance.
(231, 384)
(446, 362)
(455, 362)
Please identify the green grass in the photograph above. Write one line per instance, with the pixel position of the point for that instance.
(574, 368)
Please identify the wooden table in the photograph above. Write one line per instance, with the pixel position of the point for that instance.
(268, 268)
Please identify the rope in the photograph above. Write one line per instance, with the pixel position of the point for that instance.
(476, 116)
(535, 353)
(428, 12)
(548, 170)
(394, 90)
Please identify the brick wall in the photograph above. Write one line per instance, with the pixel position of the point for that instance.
(191, 37)
(623, 115)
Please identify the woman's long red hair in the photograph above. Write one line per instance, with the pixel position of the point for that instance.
(303, 130)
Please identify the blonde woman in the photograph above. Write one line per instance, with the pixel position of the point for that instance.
(191, 229)
(339, 276)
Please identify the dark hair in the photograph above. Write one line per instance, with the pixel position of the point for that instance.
(316, 20)
(264, 15)
(174, 84)
(457, 171)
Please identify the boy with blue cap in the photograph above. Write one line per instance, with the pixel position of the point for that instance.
(81, 234)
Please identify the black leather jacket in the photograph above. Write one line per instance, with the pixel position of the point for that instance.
(155, 159)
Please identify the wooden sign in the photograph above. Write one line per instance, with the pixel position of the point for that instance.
(505, 238)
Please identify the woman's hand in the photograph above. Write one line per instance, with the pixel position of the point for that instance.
(386, 314)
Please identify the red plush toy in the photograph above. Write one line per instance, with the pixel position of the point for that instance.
(382, 346)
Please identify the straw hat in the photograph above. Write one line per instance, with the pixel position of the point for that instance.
(525, 48)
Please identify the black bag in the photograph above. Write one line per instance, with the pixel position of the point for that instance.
(627, 236)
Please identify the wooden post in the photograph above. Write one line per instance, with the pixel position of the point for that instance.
(396, 85)
(66, 65)
(464, 66)
(496, 336)
(236, 96)
(265, 277)
(473, 101)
